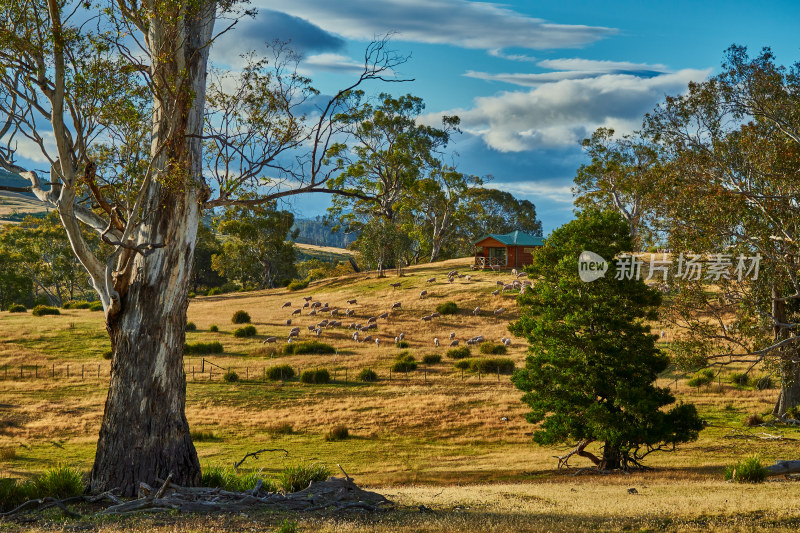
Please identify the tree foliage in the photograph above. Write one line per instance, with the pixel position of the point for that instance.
(592, 362)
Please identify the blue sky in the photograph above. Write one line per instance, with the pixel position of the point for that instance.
(529, 79)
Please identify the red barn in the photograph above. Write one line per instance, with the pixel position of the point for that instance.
(512, 250)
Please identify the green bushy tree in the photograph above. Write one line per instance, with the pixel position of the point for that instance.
(590, 373)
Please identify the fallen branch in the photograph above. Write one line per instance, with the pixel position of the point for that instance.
(783, 468)
(255, 455)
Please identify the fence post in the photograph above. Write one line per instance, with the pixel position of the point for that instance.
(203, 370)
(67, 370)
(36, 370)
(345, 375)
(247, 373)
(20, 371)
(54, 371)
(98, 371)
(210, 372)
(498, 373)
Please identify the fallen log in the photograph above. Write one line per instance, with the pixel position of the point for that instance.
(782, 468)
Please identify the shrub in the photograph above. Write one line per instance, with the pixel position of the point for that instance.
(316, 376)
(490, 348)
(492, 365)
(296, 284)
(753, 420)
(431, 359)
(246, 331)
(266, 350)
(764, 383)
(76, 304)
(230, 376)
(192, 294)
(458, 353)
(339, 432)
(404, 362)
(17, 308)
(213, 328)
(287, 527)
(240, 317)
(447, 308)
(96, 306)
(284, 428)
(403, 344)
(740, 379)
(280, 373)
(463, 364)
(108, 354)
(294, 478)
(214, 291)
(191, 326)
(367, 375)
(747, 471)
(41, 310)
(309, 347)
(704, 377)
(203, 348)
(204, 436)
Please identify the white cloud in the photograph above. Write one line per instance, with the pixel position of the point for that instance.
(474, 25)
(564, 112)
(536, 190)
(592, 65)
(332, 63)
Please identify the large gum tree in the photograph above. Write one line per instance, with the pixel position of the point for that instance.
(114, 98)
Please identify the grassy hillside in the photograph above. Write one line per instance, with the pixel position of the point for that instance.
(429, 437)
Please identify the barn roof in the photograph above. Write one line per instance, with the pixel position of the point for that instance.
(515, 238)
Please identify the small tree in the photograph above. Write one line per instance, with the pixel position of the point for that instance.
(593, 362)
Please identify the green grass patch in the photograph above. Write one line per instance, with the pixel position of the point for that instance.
(213, 328)
(204, 436)
(191, 326)
(230, 377)
(404, 362)
(296, 284)
(747, 471)
(76, 304)
(96, 306)
(299, 477)
(431, 359)
(492, 365)
(703, 377)
(309, 348)
(197, 348)
(59, 482)
(229, 479)
(403, 344)
(17, 308)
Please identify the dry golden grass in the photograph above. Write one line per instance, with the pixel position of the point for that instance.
(426, 438)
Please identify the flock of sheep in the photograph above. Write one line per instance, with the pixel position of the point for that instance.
(315, 308)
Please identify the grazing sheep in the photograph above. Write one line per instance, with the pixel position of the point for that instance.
(288, 321)
(499, 283)
(435, 315)
(306, 305)
(396, 285)
(452, 273)
(334, 312)
(365, 328)
(297, 311)
(436, 341)
(499, 311)
(384, 315)
(454, 343)
(270, 340)
(324, 309)
(452, 335)
(367, 338)
(450, 279)
(508, 287)
(311, 328)
(358, 326)
(372, 319)
(495, 293)
(374, 325)
(313, 312)
(294, 333)
(522, 290)
(287, 304)
(430, 280)
(377, 342)
(396, 340)
(351, 302)
(426, 318)
(296, 328)
(316, 304)
(308, 298)
(516, 284)
(507, 342)
(423, 294)
(469, 278)
(470, 342)
(318, 331)
(479, 338)
(289, 340)
(397, 305)
(349, 312)
(322, 323)
(355, 336)
(513, 271)
(402, 336)
(476, 311)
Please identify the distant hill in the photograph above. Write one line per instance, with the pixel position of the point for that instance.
(8, 179)
(314, 231)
